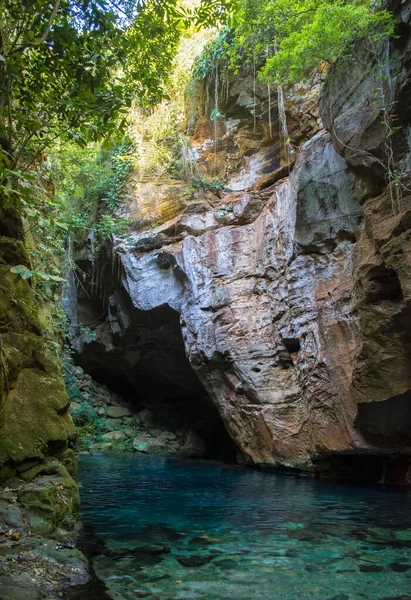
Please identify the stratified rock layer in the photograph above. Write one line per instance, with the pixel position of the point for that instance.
(292, 286)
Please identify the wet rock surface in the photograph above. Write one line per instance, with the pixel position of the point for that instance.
(39, 523)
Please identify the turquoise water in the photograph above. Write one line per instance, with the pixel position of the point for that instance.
(170, 530)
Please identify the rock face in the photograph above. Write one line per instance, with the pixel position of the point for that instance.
(34, 418)
(291, 288)
(38, 470)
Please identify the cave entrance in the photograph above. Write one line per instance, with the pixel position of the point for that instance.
(140, 355)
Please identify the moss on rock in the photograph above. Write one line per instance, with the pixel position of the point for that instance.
(51, 500)
(36, 418)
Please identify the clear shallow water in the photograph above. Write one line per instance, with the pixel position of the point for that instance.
(176, 530)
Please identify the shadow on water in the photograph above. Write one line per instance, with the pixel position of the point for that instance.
(91, 546)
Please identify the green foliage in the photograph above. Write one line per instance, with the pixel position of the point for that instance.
(90, 426)
(45, 232)
(58, 64)
(287, 40)
(70, 381)
(323, 36)
(89, 184)
(160, 147)
(70, 70)
(26, 273)
(220, 49)
(200, 186)
(85, 415)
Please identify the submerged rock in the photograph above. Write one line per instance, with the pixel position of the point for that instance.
(371, 568)
(205, 540)
(163, 443)
(226, 563)
(159, 532)
(195, 560)
(306, 534)
(380, 535)
(399, 567)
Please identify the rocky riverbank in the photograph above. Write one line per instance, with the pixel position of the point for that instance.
(108, 421)
(38, 532)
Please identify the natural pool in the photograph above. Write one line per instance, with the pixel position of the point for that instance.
(175, 530)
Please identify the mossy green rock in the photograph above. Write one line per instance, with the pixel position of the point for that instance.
(69, 460)
(49, 500)
(49, 466)
(36, 420)
(16, 303)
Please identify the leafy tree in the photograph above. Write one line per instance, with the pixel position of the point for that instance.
(70, 69)
(89, 184)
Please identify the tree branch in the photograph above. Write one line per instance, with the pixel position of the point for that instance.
(44, 146)
(50, 21)
(44, 35)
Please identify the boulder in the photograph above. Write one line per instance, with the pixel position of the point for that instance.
(146, 443)
(10, 514)
(195, 446)
(118, 412)
(30, 426)
(117, 436)
(146, 417)
(163, 445)
(113, 424)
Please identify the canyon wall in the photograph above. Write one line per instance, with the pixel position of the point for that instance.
(287, 286)
(39, 497)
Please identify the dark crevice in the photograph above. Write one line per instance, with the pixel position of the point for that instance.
(386, 423)
(383, 284)
(292, 344)
(351, 467)
(372, 468)
(285, 356)
(325, 245)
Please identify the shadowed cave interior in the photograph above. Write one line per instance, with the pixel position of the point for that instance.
(140, 355)
(387, 422)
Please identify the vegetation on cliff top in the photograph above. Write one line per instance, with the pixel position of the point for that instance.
(287, 40)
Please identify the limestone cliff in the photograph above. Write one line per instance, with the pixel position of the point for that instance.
(290, 287)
